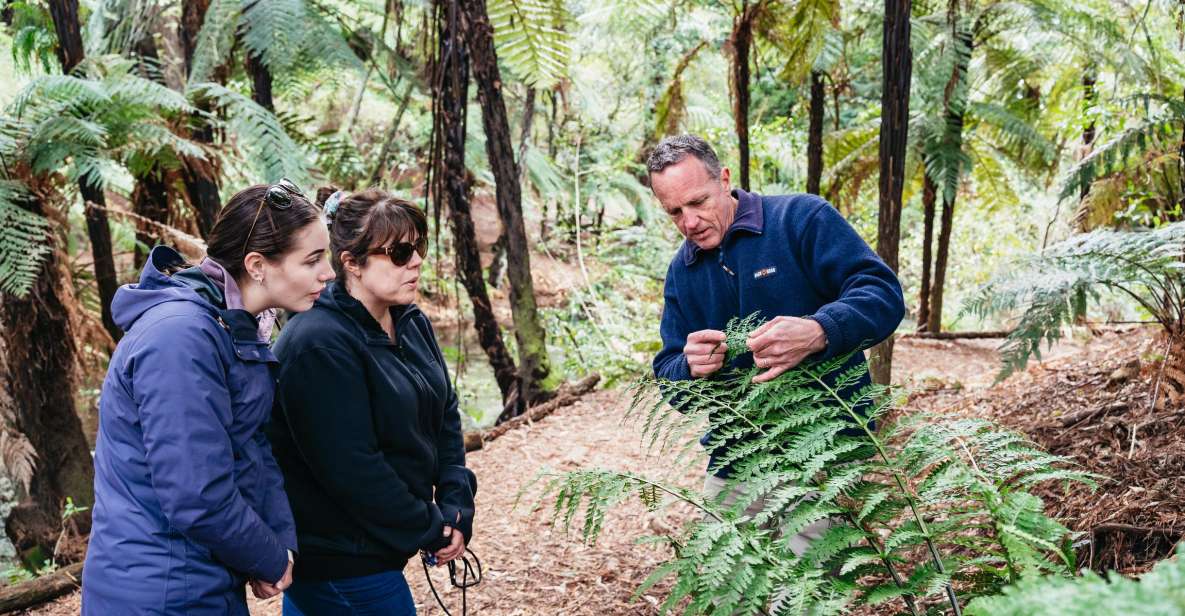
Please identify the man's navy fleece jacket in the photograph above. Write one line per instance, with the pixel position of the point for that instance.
(791, 255)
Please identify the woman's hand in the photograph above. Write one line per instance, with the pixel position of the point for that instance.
(265, 590)
(454, 549)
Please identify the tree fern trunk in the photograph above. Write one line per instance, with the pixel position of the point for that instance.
(453, 183)
(39, 379)
(150, 196)
(150, 199)
(948, 215)
(70, 52)
(894, 137)
(199, 176)
(953, 109)
(1088, 133)
(929, 195)
(261, 81)
(814, 146)
(534, 364)
(741, 41)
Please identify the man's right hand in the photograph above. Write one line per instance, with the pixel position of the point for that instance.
(705, 351)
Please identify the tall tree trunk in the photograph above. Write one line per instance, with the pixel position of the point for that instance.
(929, 195)
(814, 146)
(741, 41)
(1181, 159)
(261, 81)
(451, 182)
(150, 197)
(948, 216)
(1088, 133)
(39, 380)
(70, 52)
(199, 176)
(954, 109)
(894, 137)
(495, 275)
(534, 365)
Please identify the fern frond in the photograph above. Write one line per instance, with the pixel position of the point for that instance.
(531, 40)
(260, 134)
(215, 39)
(24, 241)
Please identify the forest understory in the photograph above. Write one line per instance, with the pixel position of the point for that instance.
(1082, 401)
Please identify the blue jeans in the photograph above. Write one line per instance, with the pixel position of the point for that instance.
(381, 594)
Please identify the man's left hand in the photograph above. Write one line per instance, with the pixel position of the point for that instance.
(782, 343)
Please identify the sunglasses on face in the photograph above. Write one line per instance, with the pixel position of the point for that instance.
(279, 196)
(400, 252)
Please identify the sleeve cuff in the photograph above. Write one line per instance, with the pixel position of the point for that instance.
(271, 568)
(831, 329)
(434, 538)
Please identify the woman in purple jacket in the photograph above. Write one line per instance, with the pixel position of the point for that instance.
(189, 502)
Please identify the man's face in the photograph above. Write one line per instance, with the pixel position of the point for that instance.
(700, 206)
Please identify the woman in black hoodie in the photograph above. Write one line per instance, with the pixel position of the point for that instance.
(366, 427)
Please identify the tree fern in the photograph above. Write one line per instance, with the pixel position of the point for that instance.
(531, 39)
(915, 506)
(1052, 289)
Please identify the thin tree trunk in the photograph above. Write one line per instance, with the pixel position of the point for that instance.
(200, 177)
(741, 41)
(929, 195)
(894, 137)
(261, 81)
(1181, 159)
(495, 276)
(451, 182)
(954, 112)
(150, 197)
(814, 147)
(948, 216)
(377, 175)
(39, 381)
(534, 364)
(1088, 133)
(70, 53)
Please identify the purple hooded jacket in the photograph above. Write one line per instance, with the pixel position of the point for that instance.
(189, 502)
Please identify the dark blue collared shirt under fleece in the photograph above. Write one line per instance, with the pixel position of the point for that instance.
(786, 255)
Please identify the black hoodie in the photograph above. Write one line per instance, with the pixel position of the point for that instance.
(369, 438)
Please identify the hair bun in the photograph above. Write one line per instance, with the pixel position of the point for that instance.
(332, 203)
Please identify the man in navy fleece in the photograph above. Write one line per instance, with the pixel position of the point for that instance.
(790, 258)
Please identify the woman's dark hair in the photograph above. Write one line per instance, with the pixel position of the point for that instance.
(370, 219)
(233, 237)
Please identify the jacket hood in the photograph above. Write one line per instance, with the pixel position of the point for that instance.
(158, 286)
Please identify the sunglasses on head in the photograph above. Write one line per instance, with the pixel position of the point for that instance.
(400, 252)
(278, 196)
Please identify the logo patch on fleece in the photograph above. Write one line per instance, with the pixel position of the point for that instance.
(762, 273)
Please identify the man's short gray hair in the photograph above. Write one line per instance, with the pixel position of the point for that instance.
(672, 150)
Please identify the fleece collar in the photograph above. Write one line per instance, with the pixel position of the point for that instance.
(749, 217)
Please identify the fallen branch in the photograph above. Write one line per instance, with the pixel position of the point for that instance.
(41, 590)
(564, 396)
(956, 335)
(1089, 414)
